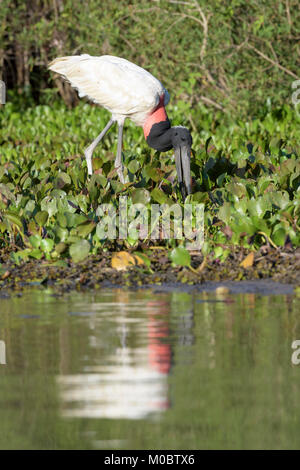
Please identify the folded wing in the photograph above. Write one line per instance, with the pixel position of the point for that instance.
(120, 86)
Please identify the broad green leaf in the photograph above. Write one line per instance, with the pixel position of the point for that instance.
(79, 250)
(47, 245)
(140, 196)
(35, 240)
(41, 218)
(180, 256)
(14, 219)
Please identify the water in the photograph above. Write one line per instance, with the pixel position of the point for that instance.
(124, 369)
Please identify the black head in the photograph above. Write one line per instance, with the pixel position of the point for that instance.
(182, 143)
(163, 137)
(181, 136)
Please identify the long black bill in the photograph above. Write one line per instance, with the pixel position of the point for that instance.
(183, 168)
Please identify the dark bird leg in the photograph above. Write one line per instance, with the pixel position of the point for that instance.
(89, 151)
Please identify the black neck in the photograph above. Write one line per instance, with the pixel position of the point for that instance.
(160, 136)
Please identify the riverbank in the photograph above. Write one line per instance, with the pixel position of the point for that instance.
(279, 265)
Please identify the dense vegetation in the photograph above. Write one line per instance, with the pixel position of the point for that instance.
(230, 66)
(229, 55)
(246, 173)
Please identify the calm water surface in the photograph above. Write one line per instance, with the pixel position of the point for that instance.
(124, 369)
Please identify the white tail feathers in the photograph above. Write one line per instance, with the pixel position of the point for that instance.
(64, 65)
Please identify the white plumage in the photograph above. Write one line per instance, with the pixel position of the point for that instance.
(123, 88)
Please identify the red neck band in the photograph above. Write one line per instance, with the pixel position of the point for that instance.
(158, 115)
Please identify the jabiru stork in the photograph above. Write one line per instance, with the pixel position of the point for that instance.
(128, 91)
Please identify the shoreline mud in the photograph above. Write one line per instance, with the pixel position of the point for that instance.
(281, 267)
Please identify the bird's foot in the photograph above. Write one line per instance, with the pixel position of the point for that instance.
(120, 174)
(88, 157)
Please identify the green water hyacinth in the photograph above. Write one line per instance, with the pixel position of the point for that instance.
(247, 175)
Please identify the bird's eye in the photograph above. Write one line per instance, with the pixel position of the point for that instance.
(176, 133)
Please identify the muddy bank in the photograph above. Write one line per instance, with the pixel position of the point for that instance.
(280, 266)
(261, 287)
